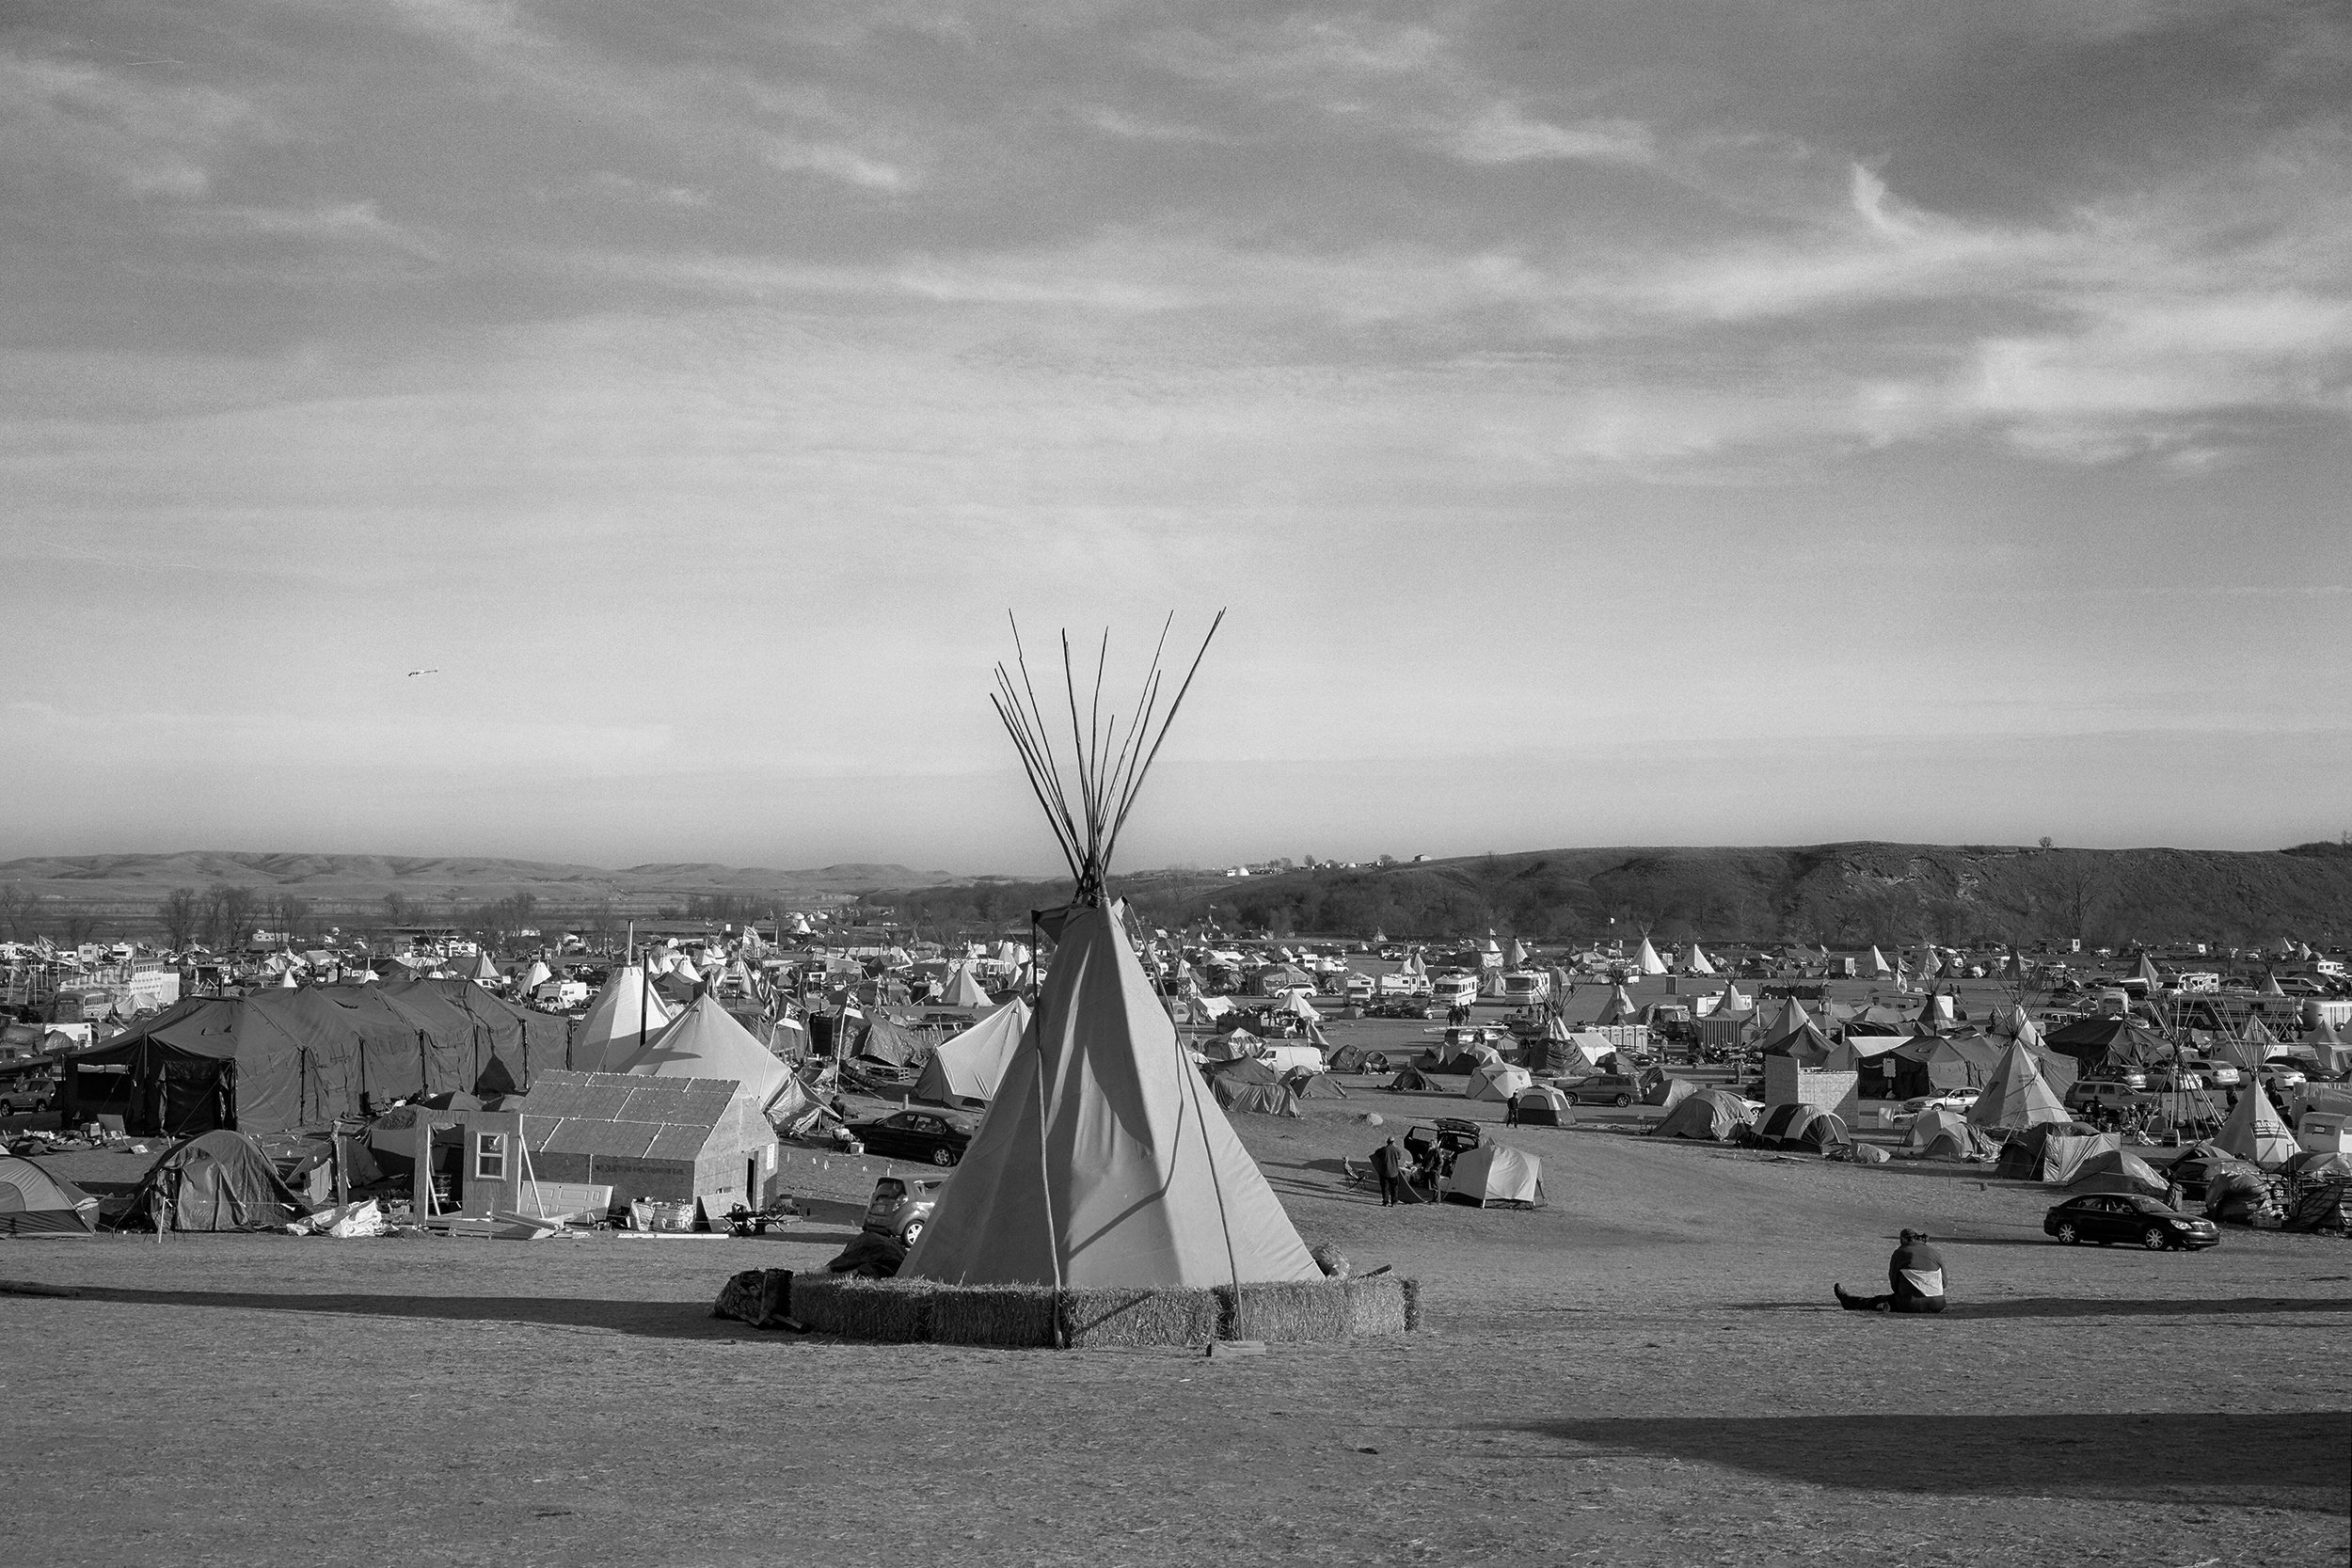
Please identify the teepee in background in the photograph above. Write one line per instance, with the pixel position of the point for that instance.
(1104, 1160)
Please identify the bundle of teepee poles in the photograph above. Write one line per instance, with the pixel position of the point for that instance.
(1088, 799)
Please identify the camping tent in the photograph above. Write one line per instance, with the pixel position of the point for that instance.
(216, 1181)
(1308, 1085)
(2256, 1131)
(888, 1041)
(2017, 1096)
(1493, 1174)
(967, 1066)
(1694, 962)
(35, 1201)
(1802, 1127)
(1496, 1081)
(1940, 1133)
(1712, 1115)
(1617, 1009)
(1412, 1078)
(1542, 1105)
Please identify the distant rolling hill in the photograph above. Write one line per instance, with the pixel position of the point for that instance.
(440, 882)
(1841, 893)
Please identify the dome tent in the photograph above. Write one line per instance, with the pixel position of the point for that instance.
(1494, 1175)
(216, 1181)
(1711, 1114)
(36, 1202)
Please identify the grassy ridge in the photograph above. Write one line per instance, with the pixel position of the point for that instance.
(1850, 894)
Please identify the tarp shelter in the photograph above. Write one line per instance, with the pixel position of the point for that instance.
(35, 1201)
(276, 1060)
(2256, 1131)
(704, 1041)
(2117, 1170)
(216, 1181)
(2023, 1152)
(2065, 1154)
(1803, 1126)
(888, 1041)
(628, 1014)
(1712, 1115)
(1104, 1160)
(1493, 1174)
(2108, 1041)
(2017, 1097)
(966, 1068)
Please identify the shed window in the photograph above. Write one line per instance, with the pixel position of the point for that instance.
(489, 1156)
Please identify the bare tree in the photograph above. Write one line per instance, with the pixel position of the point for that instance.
(16, 911)
(2079, 892)
(232, 909)
(181, 916)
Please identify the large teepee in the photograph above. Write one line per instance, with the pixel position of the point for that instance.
(1104, 1160)
(1649, 960)
(626, 1015)
(2256, 1131)
(706, 1042)
(2018, 1097)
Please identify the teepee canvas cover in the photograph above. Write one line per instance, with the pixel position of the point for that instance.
(968, 1066)
(1104, 1160)
(626, 1014)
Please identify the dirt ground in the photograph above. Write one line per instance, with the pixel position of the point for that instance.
(1649, 1370)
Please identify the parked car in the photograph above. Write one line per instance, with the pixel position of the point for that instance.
(24, 1096)
(1950, 1100)
(901, 1207)
(932, 1136)
(1605, 1088)
(2106, 1094)
(2110, 1217)
(2221, 1075)
(2279, 1075)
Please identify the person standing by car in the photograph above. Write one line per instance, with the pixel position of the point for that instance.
(1388, 1162)
(1914, 1276)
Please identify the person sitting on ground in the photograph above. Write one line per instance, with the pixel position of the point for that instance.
(1914, 1275)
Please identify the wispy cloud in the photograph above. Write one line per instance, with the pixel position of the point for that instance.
(144, 134)
(1502, 134)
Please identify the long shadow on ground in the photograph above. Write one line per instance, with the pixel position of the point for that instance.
(2096, 1306)
(2296, 1460)
(659, 1320)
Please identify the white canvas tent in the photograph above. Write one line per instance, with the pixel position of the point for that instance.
(706, 1042)
(1104, 1160)
(968, 1066)
(1649, 960)
(962, 989)
(626, 1015)
(2256, 1131)
(1695, 962)
(1496, 1081)
(1494, 1173)
(1877, 966)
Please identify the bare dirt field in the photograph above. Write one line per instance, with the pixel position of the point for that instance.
(1647, 1370)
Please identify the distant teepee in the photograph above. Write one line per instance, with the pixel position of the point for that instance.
(1103, 1160)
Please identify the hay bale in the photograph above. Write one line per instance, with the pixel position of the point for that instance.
(1295, 1310)
(1018, 1316)
(1413, 1305)
(885, 1312)
(1137, 1317)
(1378, 1307)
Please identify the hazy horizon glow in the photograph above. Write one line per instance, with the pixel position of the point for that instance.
(1729, 424)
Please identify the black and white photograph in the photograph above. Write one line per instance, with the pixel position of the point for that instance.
(1091, 785)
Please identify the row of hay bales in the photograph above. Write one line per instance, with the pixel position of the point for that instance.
(912, 1311)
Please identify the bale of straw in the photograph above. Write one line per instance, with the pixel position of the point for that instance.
(1379, 1306)
(1016, 1315)
(1138, 1317)
(1293, 1311)
(886, 1312)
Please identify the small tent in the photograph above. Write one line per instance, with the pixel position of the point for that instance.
(1802, 1127)
(1410, 1078)
(216, 1181)
(1251, 1086)
(1694, 962)
(2256, 1131)
(2117, 1170)
(1940, 1133)
(35, 1201)
(2017, 1096)
(1711, 1114)
(1496, 1081)
(1542, 1105)
(1493, 1174)
(967, 1067)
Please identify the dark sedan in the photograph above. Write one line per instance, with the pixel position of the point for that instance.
(929, 1135)
(2130, 1218)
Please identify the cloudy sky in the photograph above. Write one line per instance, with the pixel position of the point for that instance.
(1635, 422)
